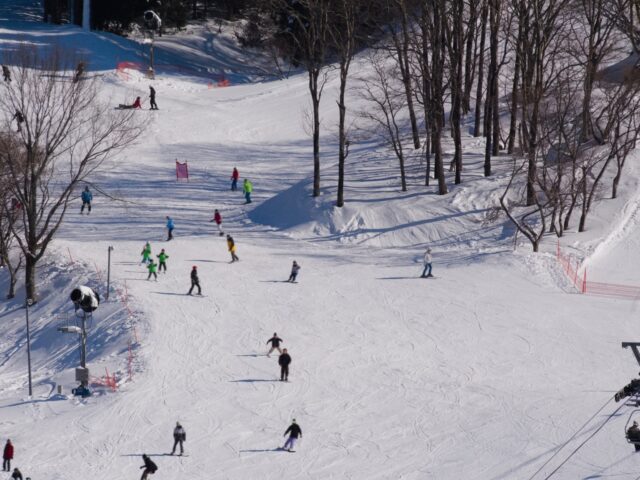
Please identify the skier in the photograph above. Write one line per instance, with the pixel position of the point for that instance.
(79, 72)
(284, 360)
(275, 344)
(633, 434)
(235, 175)
(136, 104)
(7, 456)
(19, 118)
(152, 98)
(195, 281)
(631, 389)
(427, 264)
(146, 253)
(294, 432)
(247, 188)
(218, 219)
(16, 475)
(179, 436)
(162, 259)
(170, 227)
(6, 73)
(232, 248)
(86, 197)
(295, 268)
(153, 268)
(149, 467)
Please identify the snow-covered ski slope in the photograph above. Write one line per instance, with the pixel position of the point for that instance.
(481, 373)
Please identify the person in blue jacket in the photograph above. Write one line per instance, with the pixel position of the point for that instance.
(86, 196)
(170, 227)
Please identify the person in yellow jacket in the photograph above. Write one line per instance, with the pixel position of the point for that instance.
(247, 188)
(232, 248)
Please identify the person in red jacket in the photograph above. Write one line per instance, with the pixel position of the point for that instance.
(234, 179)
(136, 104)
(7, 456)
(218, 219)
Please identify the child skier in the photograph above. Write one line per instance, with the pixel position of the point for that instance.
(153, 268)
(170, 227)
(86, 197)
(146, 253)
(149, 467)
(294, 432)
(218, 219)
(7, 456)
(247, 188)
(16, 475)
(284, 361)
(179, 436)
(136, 104)
(275, 344)
(232, 248)
(235, 175)
(195, 281)
(295, 268)
(162, 261)
(427, 264)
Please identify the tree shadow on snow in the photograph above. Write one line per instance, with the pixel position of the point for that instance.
(252, 380)
(274, 281)
(252, 355)
(261, 450)
(397, 278)
(148, 455)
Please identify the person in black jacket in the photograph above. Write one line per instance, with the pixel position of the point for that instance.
(6, 73)
(294, 432)
(179, 436)
(149, 467)
(16, 475)
(152, 98)
(284, 360)
(275, 344)
(195, 281)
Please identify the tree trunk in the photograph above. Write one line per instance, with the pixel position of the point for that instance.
(315, 102)
(514, 92)
(342, 138)
(483, 34)
(470, 56)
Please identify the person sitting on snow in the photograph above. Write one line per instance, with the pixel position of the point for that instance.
(136, 104)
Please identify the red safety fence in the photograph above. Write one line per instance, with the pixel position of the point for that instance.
(213, 79)
(580, 282)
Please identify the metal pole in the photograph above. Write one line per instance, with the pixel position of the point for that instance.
(28, 303)
(108, 271)
(83, 352)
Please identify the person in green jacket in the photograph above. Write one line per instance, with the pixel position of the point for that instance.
(162, 261)
(153, 268)
(146, 253)
(247, 188)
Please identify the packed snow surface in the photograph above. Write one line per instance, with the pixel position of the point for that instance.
(482, 372)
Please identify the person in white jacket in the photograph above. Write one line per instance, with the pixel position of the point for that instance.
(427, 264)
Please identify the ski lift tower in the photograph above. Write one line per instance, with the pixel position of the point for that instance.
(152, 23)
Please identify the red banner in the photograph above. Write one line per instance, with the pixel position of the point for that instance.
(182, 170)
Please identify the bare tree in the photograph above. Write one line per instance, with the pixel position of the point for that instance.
(9, 216)
(65, 134)
(388, 103)
(310, 36)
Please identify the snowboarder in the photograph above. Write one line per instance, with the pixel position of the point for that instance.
(218, 219)
(275, 344)
(633, 434)
(235, 175)
(152, 98)
(231, 245)
(146, 253)
(86, 197)
(195, 281)
(179, 436)
(162, 259)
(284, 360)
(7, 456)
(247, 188)
(149, 467)
(19, 118)
(427, 264)
(79, 72)
(294, 432)
(136, 104)
(153, 268)
(295, 268)
(16, 475)
(6, 73)
(170, 227)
